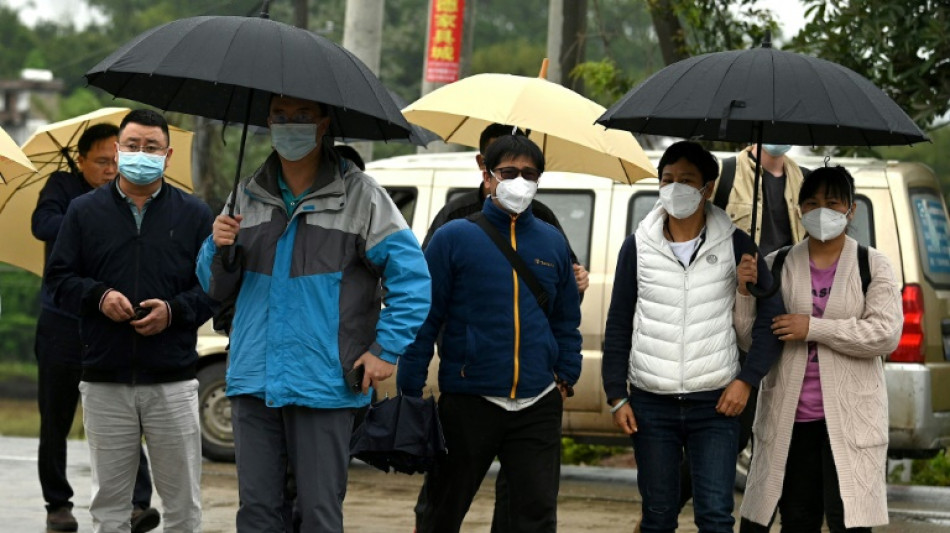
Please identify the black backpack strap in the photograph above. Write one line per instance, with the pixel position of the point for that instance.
(726, 178)
(864, 268)
(516, 261)
(778, 263)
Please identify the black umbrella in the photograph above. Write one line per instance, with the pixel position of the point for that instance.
(227, 68)
(402, 433)
(763, 95)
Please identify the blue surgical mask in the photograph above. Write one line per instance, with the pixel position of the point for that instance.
(776, 150)
(293, 141)
(141, 168)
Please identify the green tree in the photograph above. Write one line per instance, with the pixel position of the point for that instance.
(902, 47)
(932, 154)
(16, 41)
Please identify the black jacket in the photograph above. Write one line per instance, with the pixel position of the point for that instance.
(59, 190)
(99, 248)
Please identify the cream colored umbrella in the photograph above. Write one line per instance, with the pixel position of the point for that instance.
(13, 162)
(560, 121)
(18, 198)
(49, 145)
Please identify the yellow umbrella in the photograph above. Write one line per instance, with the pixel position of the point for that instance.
(561, 123)
(45, 148)
(13, 162)
(48, 146)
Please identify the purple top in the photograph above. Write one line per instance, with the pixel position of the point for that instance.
(810, 405)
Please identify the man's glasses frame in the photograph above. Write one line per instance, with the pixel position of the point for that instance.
(150, 149)
(510, 173)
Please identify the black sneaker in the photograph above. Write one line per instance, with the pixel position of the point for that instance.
(144, 519)
(61, 519)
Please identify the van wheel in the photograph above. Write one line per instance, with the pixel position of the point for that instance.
(743, 462)
(214, 414)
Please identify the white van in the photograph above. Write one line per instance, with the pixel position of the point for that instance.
(901, 213)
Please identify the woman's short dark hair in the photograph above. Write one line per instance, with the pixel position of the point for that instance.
(695, 154)
(511, 147)
(837, 180)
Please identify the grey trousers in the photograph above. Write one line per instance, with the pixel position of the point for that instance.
(316, 444)
(116, 416)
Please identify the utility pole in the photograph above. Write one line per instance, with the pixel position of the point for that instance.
(567, 35)
(301, 14)
(363, 36)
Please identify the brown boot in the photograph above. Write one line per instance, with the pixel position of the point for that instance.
(145, 519)
(61, 519)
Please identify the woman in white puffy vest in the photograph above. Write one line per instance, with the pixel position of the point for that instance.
(671, 366)
(821, 429)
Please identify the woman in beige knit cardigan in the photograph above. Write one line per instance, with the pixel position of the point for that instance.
(821, 429)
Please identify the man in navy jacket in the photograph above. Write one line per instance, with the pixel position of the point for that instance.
(58, 345)
(124, 263)
(505, 362)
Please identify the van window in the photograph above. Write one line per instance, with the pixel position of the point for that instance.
(862, 226)
(641, 203)
(574, 210)
(933, 236)
(405, 200)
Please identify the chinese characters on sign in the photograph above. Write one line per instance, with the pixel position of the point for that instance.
(445, 40)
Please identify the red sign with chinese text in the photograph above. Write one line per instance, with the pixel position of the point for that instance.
(445, 40)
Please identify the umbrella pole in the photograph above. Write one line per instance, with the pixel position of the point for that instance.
(754, 290)
(231, 255)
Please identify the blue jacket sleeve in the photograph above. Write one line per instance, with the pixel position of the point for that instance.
(766, 347)
(394, 251)
(619, 331)
(414, 364)
(565, 319)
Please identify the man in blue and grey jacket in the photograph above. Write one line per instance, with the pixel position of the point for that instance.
(323, 245)
(507, 358)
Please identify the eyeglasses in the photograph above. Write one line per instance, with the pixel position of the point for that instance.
(510, 173)
(148, 148)
(301, 117)
(103, 162)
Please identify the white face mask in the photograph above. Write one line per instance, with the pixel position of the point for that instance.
(825, 224)
(680, 200)
(516, 195)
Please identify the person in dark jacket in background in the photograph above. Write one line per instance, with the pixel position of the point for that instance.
(58, 348)
(506, 362)
(470, 202)
(124, 262)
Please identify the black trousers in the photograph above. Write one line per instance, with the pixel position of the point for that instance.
(526, 442)
(810, 493)
(57, 349)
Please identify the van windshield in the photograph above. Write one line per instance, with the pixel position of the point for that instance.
(933, 236)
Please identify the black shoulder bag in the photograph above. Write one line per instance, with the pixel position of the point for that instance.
(516, 261)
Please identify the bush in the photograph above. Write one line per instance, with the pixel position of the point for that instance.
(935, 472)
(573, 453)
(21, 306)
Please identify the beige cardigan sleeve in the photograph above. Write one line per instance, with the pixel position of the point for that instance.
(877, 332)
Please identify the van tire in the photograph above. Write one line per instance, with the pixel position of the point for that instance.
(214, 414)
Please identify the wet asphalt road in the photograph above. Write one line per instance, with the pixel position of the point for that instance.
(602, 500)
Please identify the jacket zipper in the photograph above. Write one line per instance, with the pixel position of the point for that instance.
(517, 314)
(135, 290)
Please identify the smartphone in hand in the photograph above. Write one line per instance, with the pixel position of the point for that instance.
(141, 312)
(354, 378)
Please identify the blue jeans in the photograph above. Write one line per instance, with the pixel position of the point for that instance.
(668, 426)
